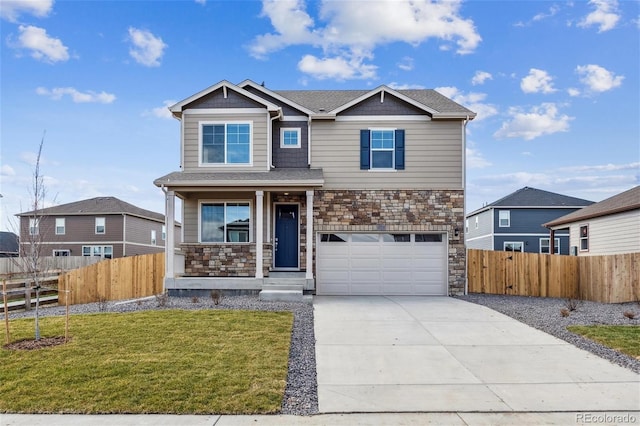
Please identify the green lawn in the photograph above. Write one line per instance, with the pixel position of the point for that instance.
(173, 361)
(623, 338)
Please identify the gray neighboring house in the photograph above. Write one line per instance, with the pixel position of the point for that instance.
(611, 226)
(105, 227)
(9, 244)
(328, 191)
(516, 222)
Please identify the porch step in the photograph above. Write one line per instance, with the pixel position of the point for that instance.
(284, 296)
(283, 289)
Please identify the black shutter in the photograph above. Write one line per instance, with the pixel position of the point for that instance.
(399, 150)
(364, 150)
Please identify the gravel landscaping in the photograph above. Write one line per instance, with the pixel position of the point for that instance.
(301, 397)
(545, 314)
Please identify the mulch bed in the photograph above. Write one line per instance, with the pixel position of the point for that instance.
(30, 344)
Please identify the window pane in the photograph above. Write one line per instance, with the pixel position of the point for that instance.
(365, 238)
(428, 238)
(336, 238)
(237, 222)
(238, 153)
(108, 252)
(382, 159)
(213, 144)
(397, 238)
(212, 226)
(382, 139)
(290, 137)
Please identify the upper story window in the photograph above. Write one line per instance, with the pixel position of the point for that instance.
(34, 226)
(60, 226)
(584, 238)
(164, 232)
(225, 222)
(100, 225)
(290, 138)
(153, 237)
(504, 218)
(382, 149)
(225, 143)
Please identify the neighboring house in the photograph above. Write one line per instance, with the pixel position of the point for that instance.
(104, 226)
(347, 191)
(516, 222)
(9, 244)
(611, 226)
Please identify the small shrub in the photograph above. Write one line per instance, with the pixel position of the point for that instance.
(162, 299)
(195, 299)
(564, 312)
(102, 304)
(571, 304)
(629, 314)
(216, 296)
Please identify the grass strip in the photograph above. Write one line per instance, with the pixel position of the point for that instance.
(171, 361)
(623, 338)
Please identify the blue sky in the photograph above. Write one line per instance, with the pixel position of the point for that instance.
(555, 84)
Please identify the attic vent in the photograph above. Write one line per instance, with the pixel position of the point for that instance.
(321, 110)
(382, 96)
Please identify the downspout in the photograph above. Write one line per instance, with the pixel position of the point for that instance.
(124, 235)
(464, 200)
(309, 141)
(270, 144)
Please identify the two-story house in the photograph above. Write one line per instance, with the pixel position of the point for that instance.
(516, 222)
(105, 227)
(350, 191)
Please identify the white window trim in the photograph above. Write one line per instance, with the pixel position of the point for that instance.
(201, 124)
(581, 238)
(64, 226)
(61, 251)
(508, 218)
(104, 226)
(154, 240)
(504, 245)
(297, 130)
(102, 250)
(393, 150)
(34, 226)
(557, 247)
(251, 219)
(164, 232)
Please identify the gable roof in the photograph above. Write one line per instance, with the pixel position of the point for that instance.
(532, 197)
(97, 206)
(625, 201)
(328, 103)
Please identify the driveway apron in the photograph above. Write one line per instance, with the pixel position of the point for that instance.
(426, 354)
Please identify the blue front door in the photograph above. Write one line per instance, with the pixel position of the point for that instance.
(285, 246)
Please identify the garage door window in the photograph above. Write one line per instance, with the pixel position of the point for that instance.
(365, 238)
(428, 238)
(396, 238)
(334, 238)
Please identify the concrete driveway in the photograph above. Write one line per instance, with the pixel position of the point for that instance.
(422, 354)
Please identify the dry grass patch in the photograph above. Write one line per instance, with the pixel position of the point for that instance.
(170, 361)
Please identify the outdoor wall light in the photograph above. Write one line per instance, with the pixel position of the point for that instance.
(456, 232)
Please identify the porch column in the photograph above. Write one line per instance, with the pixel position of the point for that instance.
(309, 274)
(259, 233)
(552, 241)
(170, 245)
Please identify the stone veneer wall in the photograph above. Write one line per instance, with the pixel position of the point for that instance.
(224, 260)
(398, 211)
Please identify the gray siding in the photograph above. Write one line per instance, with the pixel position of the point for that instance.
(433, 155)
(482, 243)
(527, 221)
(286, 109)
(291, 157)
(613, 234)
(191, 143)
(390, 106)
(216, 99)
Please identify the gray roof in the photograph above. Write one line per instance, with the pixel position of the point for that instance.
(328, 100)
(275, 177)
(625, 201)
(97, 206)
(532, 197)
(8, 242)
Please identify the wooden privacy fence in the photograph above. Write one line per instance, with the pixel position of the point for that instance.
(116, 279)
(609, 279)
(17, 265)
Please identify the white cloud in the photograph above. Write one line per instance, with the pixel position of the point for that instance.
(43, 47)
(7, 170)
(161, 111)
(10, 10)
(602, 168)
(202, 2)
(597, 78)
(406, 64)
(78, 97)
(398, 86)
(539, 121)
(349, 32)
(338, 68)
(473, 100)
(572, 91)
(146, 49)
(480, 77)
(605, 15)
(538, 81)
(553, 10)
(475, 159)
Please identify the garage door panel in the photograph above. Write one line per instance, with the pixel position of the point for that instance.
(388, 267)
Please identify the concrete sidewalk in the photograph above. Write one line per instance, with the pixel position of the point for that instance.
(440, 354)
(448, 419)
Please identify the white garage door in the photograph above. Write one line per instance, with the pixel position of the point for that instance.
(381, 264)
